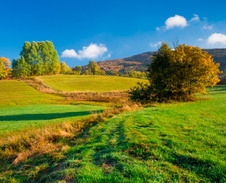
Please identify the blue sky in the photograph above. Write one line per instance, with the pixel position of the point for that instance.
(108, 29)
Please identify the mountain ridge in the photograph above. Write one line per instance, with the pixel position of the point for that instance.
(140, 61)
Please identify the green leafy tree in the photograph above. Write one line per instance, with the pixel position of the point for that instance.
(78, 69)
(20, 68)
(41, 58)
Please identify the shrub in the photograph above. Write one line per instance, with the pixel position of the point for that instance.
(141, 92)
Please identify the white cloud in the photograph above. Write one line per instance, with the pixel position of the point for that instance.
(179, 22)
(217, 38)
(69, 53)
(176, 21)
(207, 27)
(91, 52)
(195, 18)
(155, 44)
(200, 39)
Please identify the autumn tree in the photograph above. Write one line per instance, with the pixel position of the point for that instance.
(65, 69)
(4, 67)
(181, 73)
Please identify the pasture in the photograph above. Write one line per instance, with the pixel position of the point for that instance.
(95, 83)
(17, 93)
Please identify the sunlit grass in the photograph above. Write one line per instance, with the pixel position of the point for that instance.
(72, 83)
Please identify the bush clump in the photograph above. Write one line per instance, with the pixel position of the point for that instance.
(177, 74)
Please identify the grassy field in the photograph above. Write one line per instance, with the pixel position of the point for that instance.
(22, 107)
(72, 83)
(18, 93)
(178, 142)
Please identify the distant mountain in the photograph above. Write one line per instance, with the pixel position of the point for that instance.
(139, 62)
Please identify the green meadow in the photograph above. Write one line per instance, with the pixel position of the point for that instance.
(176, 142)
(95, 83)
(23, 107)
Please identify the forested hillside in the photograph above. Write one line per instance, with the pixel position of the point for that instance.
(138, 62)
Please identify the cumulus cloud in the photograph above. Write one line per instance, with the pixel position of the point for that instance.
(69, 53)
(217, 38)
(195, 18)
(176, 21)
(155, 44)
(90, 52)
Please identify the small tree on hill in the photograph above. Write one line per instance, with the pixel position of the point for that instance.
(93, 68)
(181, 73)
(78, 69)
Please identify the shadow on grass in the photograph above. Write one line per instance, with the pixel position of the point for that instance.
(48, 116)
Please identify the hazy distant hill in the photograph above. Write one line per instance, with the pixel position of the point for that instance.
(138, 62)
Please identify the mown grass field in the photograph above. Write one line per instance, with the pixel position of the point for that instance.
(17, 93)
(177, 142)
(31, 116)
(22, 107)
(71, 83)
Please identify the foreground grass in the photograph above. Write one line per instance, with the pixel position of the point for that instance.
(72, 83)
(17, 93)
(24, 117)
(180, 142)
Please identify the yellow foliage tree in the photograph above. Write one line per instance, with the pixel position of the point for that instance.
(5, 69)
(179, 74)
(58, 68)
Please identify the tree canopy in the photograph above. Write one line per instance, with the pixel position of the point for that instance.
(65, 69)
(37, 58)
(181, 73)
